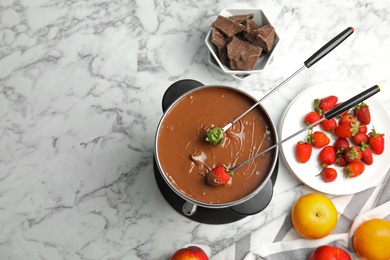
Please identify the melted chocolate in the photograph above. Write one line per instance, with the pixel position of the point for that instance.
(186, 157)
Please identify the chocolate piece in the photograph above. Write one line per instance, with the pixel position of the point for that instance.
(242, 55)
(220, 41)
(241, 18)
(250, 26)
(267, 34)
(227, 26)
(250, 32)
(262, 37)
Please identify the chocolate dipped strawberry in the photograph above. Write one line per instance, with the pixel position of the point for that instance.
(220, 175)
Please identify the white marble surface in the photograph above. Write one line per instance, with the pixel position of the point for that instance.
(81, 84)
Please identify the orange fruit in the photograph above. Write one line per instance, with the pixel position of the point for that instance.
(372, 239)
(314, 216)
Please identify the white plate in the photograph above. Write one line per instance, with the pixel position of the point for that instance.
(292, 122)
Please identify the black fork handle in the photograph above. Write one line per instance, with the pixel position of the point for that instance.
(328, 47)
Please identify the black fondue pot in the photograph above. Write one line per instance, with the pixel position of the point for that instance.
(202, 212)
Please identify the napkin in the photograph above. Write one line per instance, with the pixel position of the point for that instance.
(278, 239)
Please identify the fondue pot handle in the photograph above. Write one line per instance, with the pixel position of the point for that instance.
(189, 209)
(178, 89)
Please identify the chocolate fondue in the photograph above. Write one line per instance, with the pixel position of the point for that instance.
(186, 157)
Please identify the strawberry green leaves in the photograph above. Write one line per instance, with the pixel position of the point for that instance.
(214, 136)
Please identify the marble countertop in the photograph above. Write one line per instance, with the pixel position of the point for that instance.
(81, 84)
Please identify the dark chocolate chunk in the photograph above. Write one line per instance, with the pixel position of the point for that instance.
(227, 26)
(262, 37)
(267, 34)
(250, 32)
(220, 41)
(250, 26)
(242, 55)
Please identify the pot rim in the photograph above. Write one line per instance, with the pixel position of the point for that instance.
(216, 205)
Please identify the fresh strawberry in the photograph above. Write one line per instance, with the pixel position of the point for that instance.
(363, 128)
(328, 174)
(340, 159)
(328, 125)
(348, 119)
(219, 175)
(367, 157)
(362, 112)
(360, 138)
(376, 141)
(341, 144)
(322, 105)
(318, 139)
(303, 151)
(354, 169)
(353, 154)
(311, 118)
(346, 130)
(327, 155)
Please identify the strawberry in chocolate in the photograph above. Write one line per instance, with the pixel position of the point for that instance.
(219, 175)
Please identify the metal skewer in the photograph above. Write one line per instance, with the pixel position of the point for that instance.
(328, 115)
(226, 127)
(307, 64)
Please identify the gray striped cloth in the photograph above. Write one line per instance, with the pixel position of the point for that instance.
(278, 240)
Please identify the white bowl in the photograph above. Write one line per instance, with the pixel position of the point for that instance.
(213, 62)
(261, 20)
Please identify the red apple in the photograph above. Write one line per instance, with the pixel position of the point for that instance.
(190, 253)
(329, 253)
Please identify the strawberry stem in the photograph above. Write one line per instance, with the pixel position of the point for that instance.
(231, 173)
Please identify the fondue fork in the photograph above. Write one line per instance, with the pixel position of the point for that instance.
(307, 64)
(328, 115)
